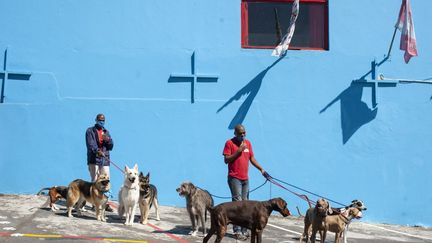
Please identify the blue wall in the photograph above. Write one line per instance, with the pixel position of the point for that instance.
(309, 126)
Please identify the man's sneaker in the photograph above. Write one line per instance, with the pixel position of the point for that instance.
(108, 208)
(239, 236)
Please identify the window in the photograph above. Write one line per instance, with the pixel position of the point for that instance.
(261, 20)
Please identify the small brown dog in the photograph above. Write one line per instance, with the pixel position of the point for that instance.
(54, 194)
(92, 192)
(249, 214)
(338, 223)
(315, 218)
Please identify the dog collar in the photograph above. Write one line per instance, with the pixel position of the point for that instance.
(131, 188)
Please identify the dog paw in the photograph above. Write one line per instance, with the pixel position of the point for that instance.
(193, 233)
(144, 222)
(157, 219)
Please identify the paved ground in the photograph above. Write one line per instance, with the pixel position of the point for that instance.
(25, 218)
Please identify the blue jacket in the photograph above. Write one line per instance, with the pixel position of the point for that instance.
(93, 146)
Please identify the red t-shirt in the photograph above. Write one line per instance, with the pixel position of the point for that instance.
(239, 167)
(100, 136)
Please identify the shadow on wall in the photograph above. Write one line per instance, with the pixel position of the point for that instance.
(354, 112)
(252, 89)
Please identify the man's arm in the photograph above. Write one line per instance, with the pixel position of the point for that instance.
(231, 158)
(257, 165)
(108, 142)
(235, 155)
(91, 141)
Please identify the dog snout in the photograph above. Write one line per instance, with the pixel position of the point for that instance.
(285, 212)
(132, 179)
(106, 182)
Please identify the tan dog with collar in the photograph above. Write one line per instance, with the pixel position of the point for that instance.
(338, 223)
(315, 219)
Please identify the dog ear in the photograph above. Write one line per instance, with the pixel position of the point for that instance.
(136, 167)
(330, 210)
(192, 188)
(148, 175)
(141, 174)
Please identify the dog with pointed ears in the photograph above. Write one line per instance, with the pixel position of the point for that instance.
(148, 198)
(92, 192)
(129, 195)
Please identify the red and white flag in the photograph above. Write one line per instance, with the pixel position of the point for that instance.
(406, 26)
(283, 46)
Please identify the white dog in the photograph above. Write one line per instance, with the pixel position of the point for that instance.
(129, 195)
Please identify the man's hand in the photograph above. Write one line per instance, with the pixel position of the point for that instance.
(99, 153)
(266, 175)
(106, 138)
(242, 147)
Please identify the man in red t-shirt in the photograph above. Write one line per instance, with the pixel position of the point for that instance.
(237, 154)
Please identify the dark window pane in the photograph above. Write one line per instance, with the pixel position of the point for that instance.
(311, 25)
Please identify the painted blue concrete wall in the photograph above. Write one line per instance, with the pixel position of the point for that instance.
(308, 125)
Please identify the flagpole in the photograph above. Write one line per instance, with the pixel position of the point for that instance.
(391, 43)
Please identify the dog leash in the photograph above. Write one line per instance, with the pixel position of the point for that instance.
(111, 162)
(302, 196)
(232, 197)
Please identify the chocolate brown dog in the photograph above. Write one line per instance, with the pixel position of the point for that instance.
(249, 214)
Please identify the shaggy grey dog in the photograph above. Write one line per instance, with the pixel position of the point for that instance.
(198, 203)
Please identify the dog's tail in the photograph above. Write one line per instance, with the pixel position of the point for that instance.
(210, 210)
(298, 211)
(152, 197)
(120, 209)
(43, 189)
(208, 207)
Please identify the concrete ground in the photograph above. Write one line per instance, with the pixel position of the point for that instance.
(26, 218)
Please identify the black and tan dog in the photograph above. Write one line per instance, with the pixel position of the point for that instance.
(148, 197)
(249, 214)
(93, 192)
(54, 194)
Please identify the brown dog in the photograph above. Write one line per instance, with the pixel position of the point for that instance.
(54, 194)
(249, 214)
(92, 192)
(338, 223)
(315, 218)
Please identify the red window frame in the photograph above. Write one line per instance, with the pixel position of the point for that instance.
(245, 28)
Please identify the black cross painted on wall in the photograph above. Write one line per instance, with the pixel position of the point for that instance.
(192, 78)
(6, 75)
